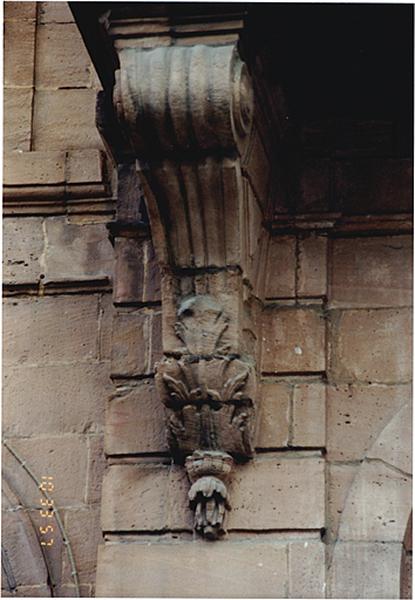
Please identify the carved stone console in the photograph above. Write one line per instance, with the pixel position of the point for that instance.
(183, 112)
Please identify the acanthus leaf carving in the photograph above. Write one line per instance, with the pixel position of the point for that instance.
(209, 394)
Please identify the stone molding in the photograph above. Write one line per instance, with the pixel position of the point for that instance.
(54, 182)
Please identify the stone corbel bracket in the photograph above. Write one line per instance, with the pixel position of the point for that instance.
(187, 113)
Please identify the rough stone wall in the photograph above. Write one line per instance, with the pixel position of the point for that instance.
(57, 307)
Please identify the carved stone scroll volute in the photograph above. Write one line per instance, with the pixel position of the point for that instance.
(209, 394)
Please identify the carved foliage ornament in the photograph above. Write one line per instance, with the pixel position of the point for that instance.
(209, 396)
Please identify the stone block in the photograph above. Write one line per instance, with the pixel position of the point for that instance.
(357, 414)
(378, 505)
(278, 493)
(54, 400)
(281, 267)
(96, 468)
(371, 345)
(312, 266)
(265, 494)
(20, 10)
(340, 478)
(145, 497)
(365, 570)
(309, 415)
(85, 166)
(76, 252)
(156, 339)
(31, 591)
(84, 531)
(306, 570)
(272, 429)
(254, 248)
(62, 59)
(374, 185)
(406, 575)
(128, 270)
(86, 590)
(50, 330)
(21, 547)
(54, 552)
(105, 322)
(17, 106)
(152, 278)
(193, 569)
(21, 260)
(135, 421)
(130, 343)
(19, 52)
(314, 188)
(257, 167)
(293, 341)
(65, 119)
(65, 458)
(394, 446)
(34, 168)
(371, 272)
(54, 12)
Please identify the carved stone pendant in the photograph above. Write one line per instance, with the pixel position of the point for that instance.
(209, 396)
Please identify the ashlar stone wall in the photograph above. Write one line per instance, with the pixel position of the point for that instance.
(57, 266)
(322, 509)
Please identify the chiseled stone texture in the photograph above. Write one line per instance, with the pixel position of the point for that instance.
(377, 505)
(83, 528)
(70, 399)
(312, 266)
(362, 348)
(21, 260)
(371, 272)
(293, 340)
(19, 58)
(135, 421)
(365, 570)
(50, 330)
(76, 252)
(20, 544)
(17, 105)
(273, 420)
(145, 497)
(309, 415)
(20, 10)
(136, 342)
(394, 445)
(55, 12)
(64, 457)
(306, 567)
(65, 119)
(69, 64)
(275, 492)
(266, 494)
(339, 481)
(356, 414)
(246, 569)
(281, 266)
